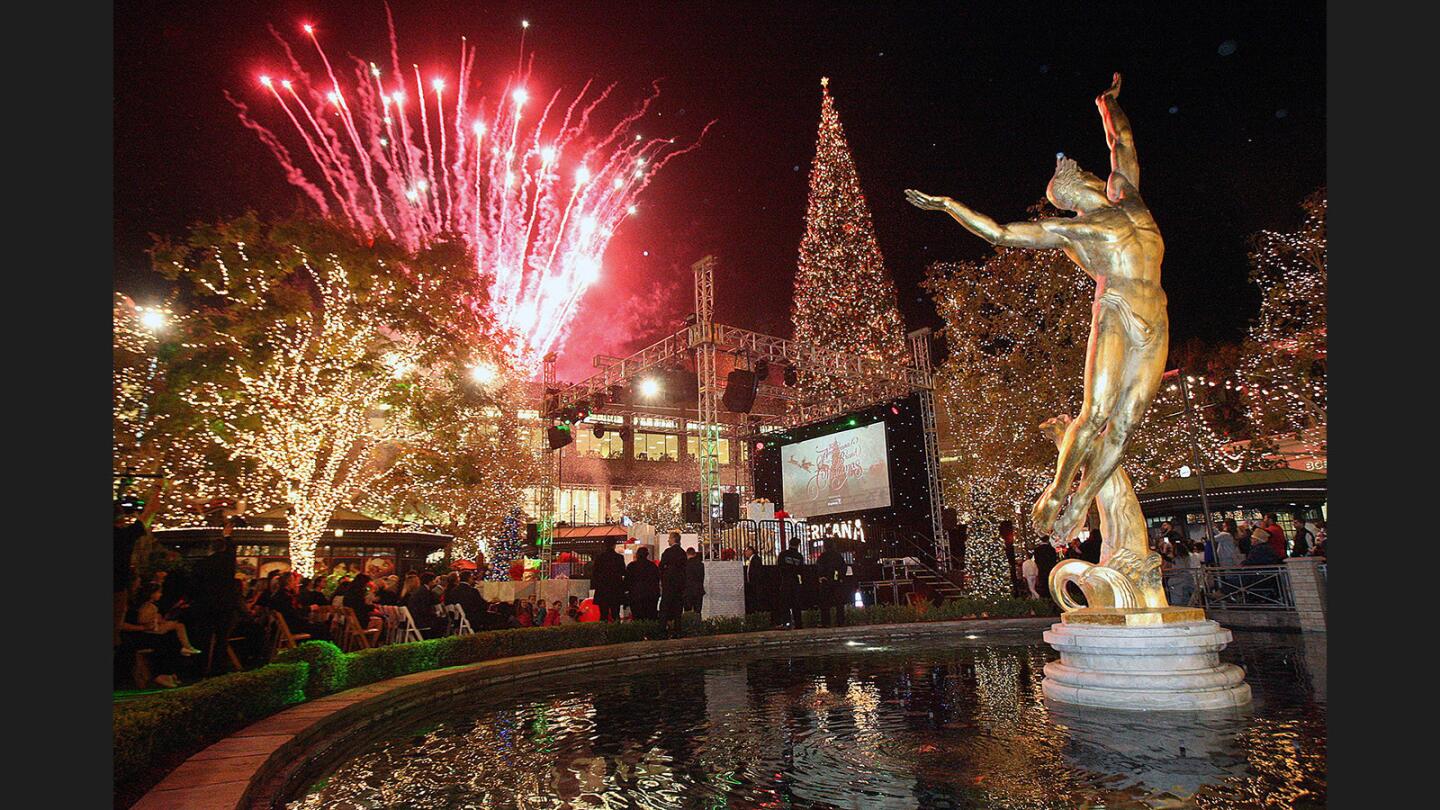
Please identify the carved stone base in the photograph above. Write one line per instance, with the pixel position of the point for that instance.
(1155, 666)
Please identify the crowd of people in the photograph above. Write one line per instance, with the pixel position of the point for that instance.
(1232, 545)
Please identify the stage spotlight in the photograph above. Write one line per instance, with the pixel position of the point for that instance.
(599, 431)
(649, 387)
(616, 392)
(790, 376)
(762, 370)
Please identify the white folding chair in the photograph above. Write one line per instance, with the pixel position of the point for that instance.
(405, 628)
(459, 625)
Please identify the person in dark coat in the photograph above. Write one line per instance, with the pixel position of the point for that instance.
(420, 599)
(694, 580)
(672, 583)
(642, 586)
(1045, 560)
(355, 599)
(752, 571)
(468, 597)
(608, 577)
(214, 598)
(792, 565)
(1090, 549)
(834, 590)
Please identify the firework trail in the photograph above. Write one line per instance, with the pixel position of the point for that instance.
(536, 194)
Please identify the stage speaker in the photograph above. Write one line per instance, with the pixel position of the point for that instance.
(690, 507)
(740, 386)
(560, 436)
(730, 507)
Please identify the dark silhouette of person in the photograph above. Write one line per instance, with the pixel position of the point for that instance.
(214, 599)
(469, 599)
(792, 567)
(672, 584)
(834, 590)
(694, 580)
(1045, 560)
(608, 578)
(642, 586)
(752, 576)
(1090, 549)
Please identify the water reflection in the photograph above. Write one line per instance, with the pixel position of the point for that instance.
(955, 724)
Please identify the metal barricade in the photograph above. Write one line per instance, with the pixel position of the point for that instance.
(1258, 587)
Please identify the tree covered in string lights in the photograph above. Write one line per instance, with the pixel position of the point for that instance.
(656, 506)
(844, 297)
(308, 335)
(467, 468)
(155, 430)
(1015, 328)
(1284, 356)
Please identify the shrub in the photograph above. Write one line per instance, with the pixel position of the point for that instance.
(159, 731)
(328, 666)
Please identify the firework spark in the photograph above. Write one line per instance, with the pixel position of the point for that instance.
(536, 194)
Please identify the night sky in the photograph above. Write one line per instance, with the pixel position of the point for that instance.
(969, 100)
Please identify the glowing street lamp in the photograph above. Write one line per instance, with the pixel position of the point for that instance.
(484, 373)
(152, 319)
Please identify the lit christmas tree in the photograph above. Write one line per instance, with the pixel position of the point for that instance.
(506, 548)
(844, 297)
(1284, 360)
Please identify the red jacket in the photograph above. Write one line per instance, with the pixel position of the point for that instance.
(1277, 539)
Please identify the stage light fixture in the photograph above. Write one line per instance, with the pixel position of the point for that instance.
(791, 378)
(599, 431)
(649, 387)
(762, 370)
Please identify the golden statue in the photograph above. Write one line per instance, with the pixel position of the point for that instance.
(1115, 240)
(1128, 575)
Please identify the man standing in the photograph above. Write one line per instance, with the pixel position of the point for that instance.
(214, 598)
(834, 591)
(642, 585)
(1276, 538)
(694, 580)
(672, 583)
(792, 566)
(752, 570)
(609, 579)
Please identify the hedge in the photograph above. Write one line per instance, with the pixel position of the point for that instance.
(158, 732)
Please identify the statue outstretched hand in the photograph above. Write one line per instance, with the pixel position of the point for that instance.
(925, 201)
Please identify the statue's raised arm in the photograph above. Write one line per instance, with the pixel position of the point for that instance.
(1121, 140)
(1044, 234)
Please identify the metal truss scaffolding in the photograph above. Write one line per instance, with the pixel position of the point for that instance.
(877, 381)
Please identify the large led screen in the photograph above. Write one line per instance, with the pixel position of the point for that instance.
(841, 472)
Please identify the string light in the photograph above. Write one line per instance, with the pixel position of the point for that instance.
(1285, 352)
(845, 298)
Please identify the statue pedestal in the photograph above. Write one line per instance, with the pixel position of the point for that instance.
(1142, 659)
